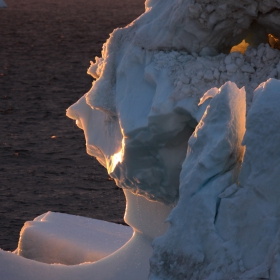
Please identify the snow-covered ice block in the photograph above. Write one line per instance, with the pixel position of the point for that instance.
(68, 239)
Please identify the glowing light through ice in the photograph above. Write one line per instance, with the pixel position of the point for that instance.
(116, 158)
(273, 42)
(242, 47)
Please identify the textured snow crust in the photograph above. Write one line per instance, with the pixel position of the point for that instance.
(204, 27)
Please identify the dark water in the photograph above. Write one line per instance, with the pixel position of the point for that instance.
(45, 49)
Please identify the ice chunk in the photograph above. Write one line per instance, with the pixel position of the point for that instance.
(250, 217)
(211, 93)
(192, 248)
(68, 239)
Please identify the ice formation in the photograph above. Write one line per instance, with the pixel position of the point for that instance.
(166, 115)
(164, 81)
(174, 56)
(228, 228)
(170, 87)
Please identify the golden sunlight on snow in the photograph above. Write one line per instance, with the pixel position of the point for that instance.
(273, 42)
(115, 159)
(242, 47)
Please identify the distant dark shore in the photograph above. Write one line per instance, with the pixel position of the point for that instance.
(45, 49)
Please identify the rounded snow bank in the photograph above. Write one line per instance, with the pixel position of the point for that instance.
(68, 239)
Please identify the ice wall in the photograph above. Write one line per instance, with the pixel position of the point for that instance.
(224, 228)
(192, 245)
(249, 218)
(195, 25)
(200, 27)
